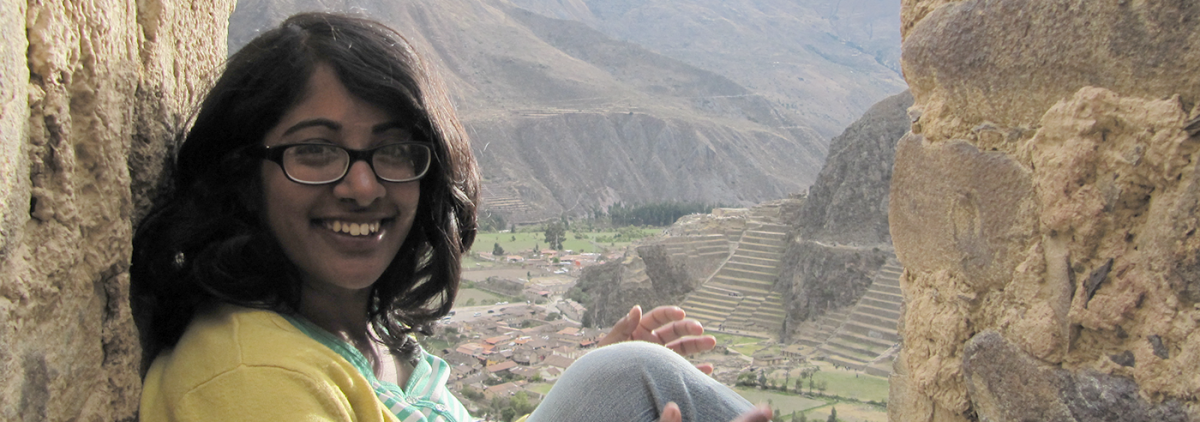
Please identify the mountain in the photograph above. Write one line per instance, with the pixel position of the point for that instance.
(567, 117)
(822, 62)
(849, 201)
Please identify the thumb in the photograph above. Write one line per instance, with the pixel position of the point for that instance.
(671, 413)
(624, 327)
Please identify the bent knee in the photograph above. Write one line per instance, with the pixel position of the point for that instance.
(628, 353)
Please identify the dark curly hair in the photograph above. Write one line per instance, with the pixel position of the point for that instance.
(206, 242)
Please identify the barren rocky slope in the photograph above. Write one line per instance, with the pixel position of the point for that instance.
(839, 240)
(842, 229)
(822, 61)
(566, 118)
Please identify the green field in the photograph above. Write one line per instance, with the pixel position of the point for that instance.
(514, 243)
(481, 298)
(786, 403)
(846, 384)
(847, 391)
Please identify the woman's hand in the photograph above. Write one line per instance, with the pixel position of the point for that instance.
(663, 325)
(671, 413)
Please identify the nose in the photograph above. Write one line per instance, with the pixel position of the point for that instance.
(360, 185)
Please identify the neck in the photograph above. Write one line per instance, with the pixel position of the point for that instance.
(340, 312)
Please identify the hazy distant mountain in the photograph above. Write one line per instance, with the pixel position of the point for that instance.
(565, 118)
(824, 62)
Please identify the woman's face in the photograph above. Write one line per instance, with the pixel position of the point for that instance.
(341, 235)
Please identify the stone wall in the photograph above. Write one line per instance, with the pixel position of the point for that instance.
(1045, 206)
(90, 92)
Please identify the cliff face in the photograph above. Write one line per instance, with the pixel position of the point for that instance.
(90, 91)
(842, 227)
(848, 202)
(1045, 207)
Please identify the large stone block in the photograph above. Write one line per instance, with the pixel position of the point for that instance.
(1006, 384)
(90, 94)
(1048, 195)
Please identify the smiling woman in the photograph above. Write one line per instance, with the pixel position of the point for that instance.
(321, 204)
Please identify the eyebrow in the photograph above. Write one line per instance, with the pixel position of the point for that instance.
(332, 125)
(313, 122)
(386, 126)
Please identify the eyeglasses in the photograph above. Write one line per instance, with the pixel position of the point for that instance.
(318, 164)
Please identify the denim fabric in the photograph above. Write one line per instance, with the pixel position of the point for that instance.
(633, 381)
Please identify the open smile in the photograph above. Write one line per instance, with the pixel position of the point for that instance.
(352, 228)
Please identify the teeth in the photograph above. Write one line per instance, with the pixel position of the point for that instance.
(353, 229)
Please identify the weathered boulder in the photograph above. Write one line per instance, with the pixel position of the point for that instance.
(1048, 195)
(1007, 384)
(90, 94)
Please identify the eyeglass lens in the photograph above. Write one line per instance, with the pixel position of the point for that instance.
(326, 163)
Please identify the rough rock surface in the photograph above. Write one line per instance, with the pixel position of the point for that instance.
(818, 277)
(842, 227)
(1007, 384)
(90, 91)
(848, 202)
(1048, 194)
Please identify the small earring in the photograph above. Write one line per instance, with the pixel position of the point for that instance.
(179, 260)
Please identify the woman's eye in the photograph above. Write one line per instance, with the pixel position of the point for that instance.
(313, 154)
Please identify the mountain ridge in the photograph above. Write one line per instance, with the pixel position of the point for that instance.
(544, 99)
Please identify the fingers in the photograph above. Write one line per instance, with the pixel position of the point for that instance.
(692, 345)
(760, 413)
(671, 413)
(663, 325)
(675, 330)
(706, 368)
(657, 318)
(624, 328)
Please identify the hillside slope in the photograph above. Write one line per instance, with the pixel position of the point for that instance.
(566, 118)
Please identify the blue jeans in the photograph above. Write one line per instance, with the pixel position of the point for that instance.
(633, 381)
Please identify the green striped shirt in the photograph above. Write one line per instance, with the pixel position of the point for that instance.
(425, 396)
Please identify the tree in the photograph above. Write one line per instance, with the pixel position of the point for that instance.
(555, 234)
(497, 250)
(746, 379)
(520, 404)
(832, 415)
(762, 379)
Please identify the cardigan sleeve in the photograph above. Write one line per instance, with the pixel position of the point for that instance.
(264, 393)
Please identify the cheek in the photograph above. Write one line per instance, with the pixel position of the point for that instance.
(280, 208)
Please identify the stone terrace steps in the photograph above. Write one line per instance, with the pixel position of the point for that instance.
(738, 296)
(505, 199)
(870, 328)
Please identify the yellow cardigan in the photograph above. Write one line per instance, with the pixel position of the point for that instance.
(237, 364)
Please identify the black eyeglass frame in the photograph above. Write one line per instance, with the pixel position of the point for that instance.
(275, 154)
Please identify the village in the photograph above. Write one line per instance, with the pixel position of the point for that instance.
(507, 355)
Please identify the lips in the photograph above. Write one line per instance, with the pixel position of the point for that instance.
(352, 228)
